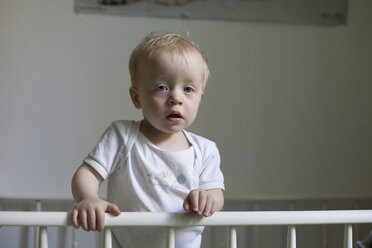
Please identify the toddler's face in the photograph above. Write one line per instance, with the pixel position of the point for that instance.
(169, 89)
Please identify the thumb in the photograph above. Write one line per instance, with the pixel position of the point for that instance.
(113, 209)
(186, 204)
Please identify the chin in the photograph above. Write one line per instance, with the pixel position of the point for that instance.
(173, 129)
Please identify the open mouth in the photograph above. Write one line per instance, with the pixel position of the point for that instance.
(174, 116)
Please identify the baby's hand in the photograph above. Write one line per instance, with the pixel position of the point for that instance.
(90, 213)
(201, 202)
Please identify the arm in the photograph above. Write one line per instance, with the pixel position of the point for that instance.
(204, 202)
(89, 209)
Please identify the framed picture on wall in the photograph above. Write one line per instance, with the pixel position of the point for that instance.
(283, 11)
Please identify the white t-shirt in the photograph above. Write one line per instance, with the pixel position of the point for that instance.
(143, 177)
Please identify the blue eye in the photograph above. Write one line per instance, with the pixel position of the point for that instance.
(161, 88)
(188, 89)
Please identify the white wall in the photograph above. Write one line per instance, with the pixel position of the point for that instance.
(289, 105)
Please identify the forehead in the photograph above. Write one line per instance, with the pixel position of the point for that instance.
(189, 58)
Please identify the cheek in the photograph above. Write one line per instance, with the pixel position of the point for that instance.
(194, 107)
(158, 100)
(154, 103)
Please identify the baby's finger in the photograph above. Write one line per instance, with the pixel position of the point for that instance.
(100, 216)
(186, 205)
(208, 208)
(113, 209)
(82, 219)
(202, 201)
(92, 220)
(74, 216)
(213, 209)
(194, 200)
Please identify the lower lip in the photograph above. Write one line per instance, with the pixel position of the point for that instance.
(174, 119)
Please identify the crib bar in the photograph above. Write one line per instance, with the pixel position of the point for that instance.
(242, 218)
(348, 236)
(291, 238)
(74, 242)
(43, 237)
(171, 239)
(107, 238)
(232, 237)
(8, 218)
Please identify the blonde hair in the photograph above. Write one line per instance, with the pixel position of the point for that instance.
(155, 43)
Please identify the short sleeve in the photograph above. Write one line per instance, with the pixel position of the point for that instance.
(211, 176)
(108, 152)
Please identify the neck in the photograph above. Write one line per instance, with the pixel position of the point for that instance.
(167, 141)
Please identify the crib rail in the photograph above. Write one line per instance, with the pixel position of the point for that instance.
(171, 220)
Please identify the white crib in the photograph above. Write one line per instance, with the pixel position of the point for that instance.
(171, 220)
(230, 220)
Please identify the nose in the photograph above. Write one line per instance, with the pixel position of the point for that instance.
(175, 98)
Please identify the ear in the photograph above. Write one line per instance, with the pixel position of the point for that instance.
(135, 97)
